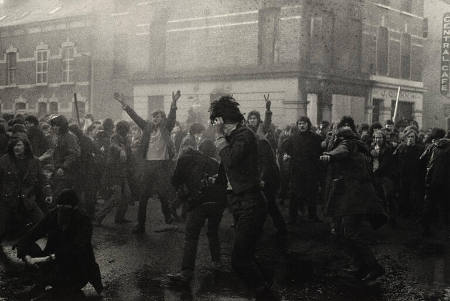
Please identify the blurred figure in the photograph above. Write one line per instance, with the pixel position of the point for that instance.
(67, 262)
(117, 175)
(65, 156)
(304, 149)
(39, 142)
(22, 187)
(196, 177)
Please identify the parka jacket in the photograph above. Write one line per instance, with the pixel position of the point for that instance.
(349, 187)
(16, 189)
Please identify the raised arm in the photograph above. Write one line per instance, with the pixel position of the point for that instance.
(268, 115)
(172, 117)
(133, 115)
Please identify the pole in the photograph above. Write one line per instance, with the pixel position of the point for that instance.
(396, 105)
(75, 101)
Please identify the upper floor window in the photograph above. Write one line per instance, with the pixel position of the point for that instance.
(405, 50)
(268, 32)
(41, 66)
(67, 64)
(12, 66)
(382, 50)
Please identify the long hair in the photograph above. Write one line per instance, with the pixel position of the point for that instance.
(28, 152)
(227, 108)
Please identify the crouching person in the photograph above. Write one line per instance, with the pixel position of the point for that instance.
(67, 262)
(196, 175)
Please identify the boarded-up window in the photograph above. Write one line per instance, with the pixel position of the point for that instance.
(405, 56)
(404, 110)
(382, 50)
(268, 32)
(155, 103)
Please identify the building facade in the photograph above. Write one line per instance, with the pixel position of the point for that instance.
(52, 50)
(393, 46)
(321, 58)
(436, 66)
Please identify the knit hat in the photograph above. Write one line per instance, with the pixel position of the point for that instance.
(410, 129)
(68, 197)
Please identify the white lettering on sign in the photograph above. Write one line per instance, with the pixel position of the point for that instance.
(392, 94)
(445, 57)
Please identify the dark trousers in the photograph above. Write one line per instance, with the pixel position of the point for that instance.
(194, 223)
(351, 229)
(155, 179)
(304, 194)
(274, 211)
(13, 220)
(120, 197)
(249, 210)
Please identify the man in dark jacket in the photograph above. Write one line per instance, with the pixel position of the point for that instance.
(238, 150)
(304, 149)
(38, 141)
(86, 182)
(117, 175)
(437, 182)
(65, 155)
(67, 262)
(351, 197)
(157, 150)
(196, 176)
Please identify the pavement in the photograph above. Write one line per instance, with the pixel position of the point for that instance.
(309, 266)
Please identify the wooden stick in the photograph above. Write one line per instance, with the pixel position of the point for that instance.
(396, 105)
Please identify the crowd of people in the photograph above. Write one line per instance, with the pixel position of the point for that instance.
(54, 171)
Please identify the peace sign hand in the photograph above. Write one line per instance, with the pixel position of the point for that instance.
(268, 102)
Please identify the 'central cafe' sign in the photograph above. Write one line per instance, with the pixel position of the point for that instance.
(445, 57)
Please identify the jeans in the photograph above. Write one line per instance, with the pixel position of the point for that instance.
(194, 223)
(274, 211)
(249, 210)
(155, 179)
(120, 198)
(351, 229)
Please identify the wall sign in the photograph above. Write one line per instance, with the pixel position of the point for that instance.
(445, 55)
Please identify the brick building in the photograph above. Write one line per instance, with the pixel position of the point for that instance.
(437, 103)
(51, 49)
(323, 58)
(393, 43)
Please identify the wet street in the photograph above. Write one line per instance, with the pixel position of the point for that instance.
(311, 267)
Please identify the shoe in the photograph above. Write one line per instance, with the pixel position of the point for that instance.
(98, 221)
(182, 277)
(169, 220)
(122, 221)
(266, 294)
(138, 229)
(373, 274)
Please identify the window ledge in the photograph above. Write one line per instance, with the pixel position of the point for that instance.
(41, 84)
(67, 83)
(11, 86)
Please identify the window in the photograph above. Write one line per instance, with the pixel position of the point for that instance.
(405, 51)
(406, 6)
(268, 32)
(382, 50)
(42, 109)
(12, 66)
(377, 107)
(21, 106)
(120, 54)
(317, 53)
(67, 60)
(53, 107)
(41, 66)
